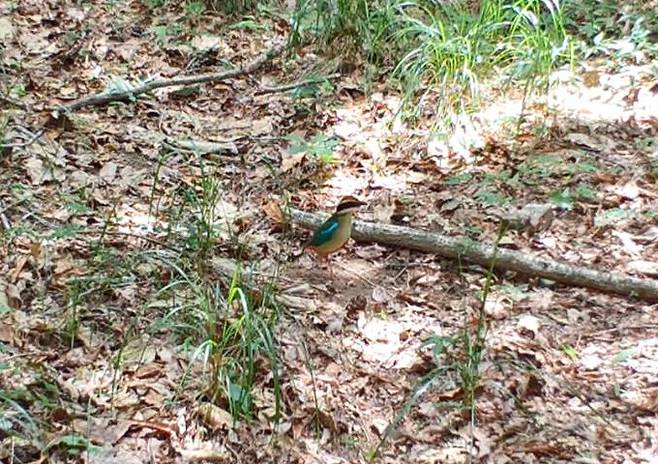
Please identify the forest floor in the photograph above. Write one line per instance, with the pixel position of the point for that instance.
(101, 211)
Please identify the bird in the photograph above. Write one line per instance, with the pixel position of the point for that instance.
(334, 233)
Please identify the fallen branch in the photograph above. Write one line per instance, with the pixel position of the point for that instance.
(33, 138)
(105, 98)
(453, 247)
(203, 147)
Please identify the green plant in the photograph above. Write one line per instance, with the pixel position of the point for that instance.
(227, 328)
(563, 199)
(66, 231)
(606, 28)
(163, 32)
(15, 420)
(233, 330)
(650, 214)
(232, 6)
(585, 192)
(194, 8)
(4, 121)
(612, 215)
(249, 24)
(570, 351)
(312, 90)
(203, 229)
(653, 172)
(365, 26)
(18, 90)
(319, 146)
(459, 179)
(72, 322)
(153, 4)
(74, 445)
(490, 197)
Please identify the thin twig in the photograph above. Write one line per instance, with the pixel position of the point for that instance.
(623, 328)
(286, 87)
(34, 137)
(13, 101)
(3, 219)
(3, 209)
(358, 276)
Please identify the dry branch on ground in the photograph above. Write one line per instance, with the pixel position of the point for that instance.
(453, 247)
(105, 98)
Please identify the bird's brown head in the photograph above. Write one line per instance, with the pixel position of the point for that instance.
(348, 204)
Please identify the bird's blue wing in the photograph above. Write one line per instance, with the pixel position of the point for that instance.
(324, 233)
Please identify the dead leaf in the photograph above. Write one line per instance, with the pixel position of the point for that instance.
(356, 305)
(381, 295)
(648, 268)
(273, 211)
(428, 280)
(628, 243)
(88, 336)
(215, 417)
(629, 190)
(383, 213)
(206, 42)
(591, 79)
(39, 173)
(13, 296)
(529, 323)
(346, 129)
(108, 172)
(591, 361)
(585, 140)
(6, 332)
(137, 352)
(369, 252)
(4, 300)
(289, 161)
(205, 455)
(7, 30)
(451, 205)
(263, 126)
(498, 308)
(100, 431)
(150, 370)
(646, 400)
(632, 96)
(17, 268)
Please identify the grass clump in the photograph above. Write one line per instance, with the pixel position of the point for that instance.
(362, 27)
(230, 330)
(455, 48)
(220, 315)
(445, 49)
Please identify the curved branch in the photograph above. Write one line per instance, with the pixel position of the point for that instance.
(104, 98)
